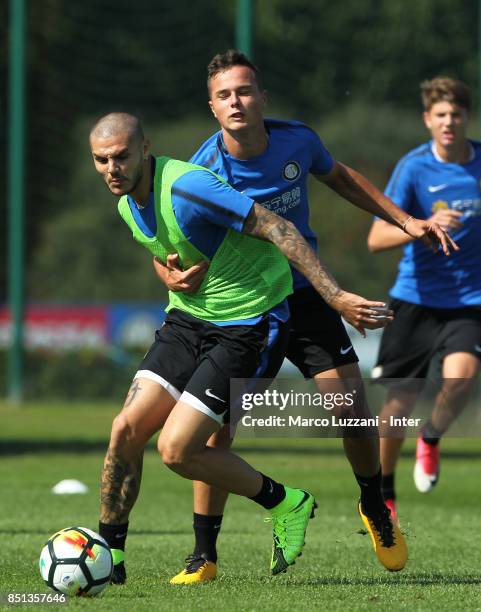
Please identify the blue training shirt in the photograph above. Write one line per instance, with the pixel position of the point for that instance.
(421, 184)
(277, 178)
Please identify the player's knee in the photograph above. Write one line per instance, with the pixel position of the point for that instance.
(174, 455)
(352, 407)
(456, 387)
(123, 434)
(399, 406)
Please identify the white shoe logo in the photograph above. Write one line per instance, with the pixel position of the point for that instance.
(434, 188)
(343, 351)
(209, 393)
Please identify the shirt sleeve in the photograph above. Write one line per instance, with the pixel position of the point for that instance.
(400, 187)
(322, 161)
(201, 197)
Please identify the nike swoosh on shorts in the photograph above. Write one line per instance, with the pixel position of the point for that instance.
(209, 393)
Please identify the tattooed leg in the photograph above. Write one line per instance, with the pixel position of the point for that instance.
(145, 410)
(120, 486)
(135, 388)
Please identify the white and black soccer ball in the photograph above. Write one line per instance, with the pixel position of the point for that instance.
(77, 562)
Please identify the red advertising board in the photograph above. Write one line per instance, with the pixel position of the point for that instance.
(59, 327)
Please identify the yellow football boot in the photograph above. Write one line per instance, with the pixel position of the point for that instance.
(387, 540)
(197, 570)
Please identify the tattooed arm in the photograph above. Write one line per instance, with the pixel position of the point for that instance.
(264, 224)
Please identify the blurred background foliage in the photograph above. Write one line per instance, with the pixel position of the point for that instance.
(350, 69)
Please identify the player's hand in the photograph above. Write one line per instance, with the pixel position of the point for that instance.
(431, 234)
(361, 313)
(447, 219)
(176, 279)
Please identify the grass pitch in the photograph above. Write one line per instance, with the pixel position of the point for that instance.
(42, 444)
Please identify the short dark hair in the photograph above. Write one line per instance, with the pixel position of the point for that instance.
(224, 61)
(445, 89)
(117, 123)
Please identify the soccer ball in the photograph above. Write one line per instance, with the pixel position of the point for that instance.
(76, 561)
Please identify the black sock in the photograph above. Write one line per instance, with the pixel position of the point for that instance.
(371, 496)
(114, 535)
(206, 529)
(271, 493)
(387, 486)
(430, 434)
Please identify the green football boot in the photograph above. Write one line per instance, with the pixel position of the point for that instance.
(289, 524)
(119, 575)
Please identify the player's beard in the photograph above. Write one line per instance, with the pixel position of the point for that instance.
(136, 179)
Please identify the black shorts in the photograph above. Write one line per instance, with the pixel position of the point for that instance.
(318, 339)
(194, 360)
(419, 333)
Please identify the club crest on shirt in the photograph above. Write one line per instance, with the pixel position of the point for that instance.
(291, 171)
(439, 205)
